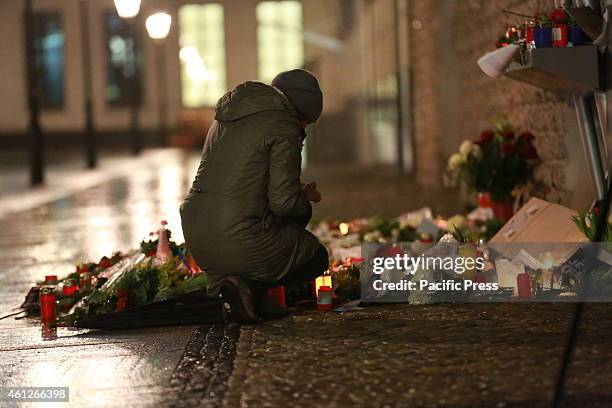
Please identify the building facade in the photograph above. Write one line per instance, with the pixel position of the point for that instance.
(400, 79)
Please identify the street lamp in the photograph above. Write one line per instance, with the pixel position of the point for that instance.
(158, 27)
(90, 132)
(128, 10)
(37, 164)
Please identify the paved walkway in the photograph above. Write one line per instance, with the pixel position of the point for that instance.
(459, 356)
(396, 355)
(105, 368)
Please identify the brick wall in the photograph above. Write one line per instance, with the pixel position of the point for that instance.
(427, 89)
(454, 100)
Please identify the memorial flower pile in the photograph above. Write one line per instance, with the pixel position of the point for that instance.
(159, 270)
(498, 162)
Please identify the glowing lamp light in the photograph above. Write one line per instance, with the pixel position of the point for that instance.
(323, 280)
(127, 8)
(158, 25)
(344, 228)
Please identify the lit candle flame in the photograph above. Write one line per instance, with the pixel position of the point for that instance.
(323, 280)
(344, 228)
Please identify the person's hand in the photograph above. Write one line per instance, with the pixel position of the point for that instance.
(311, 192)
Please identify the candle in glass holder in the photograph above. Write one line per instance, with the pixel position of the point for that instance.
(277, 296)
(51, 280)
(524, 285)
(324, 299)
(47, 305)
(84, 279)
(70, 287)
(323, 280)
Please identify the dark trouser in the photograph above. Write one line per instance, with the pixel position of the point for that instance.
(307, 272)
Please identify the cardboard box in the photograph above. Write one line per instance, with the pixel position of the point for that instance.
(540, 221)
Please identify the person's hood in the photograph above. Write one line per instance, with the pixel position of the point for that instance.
(250, 98)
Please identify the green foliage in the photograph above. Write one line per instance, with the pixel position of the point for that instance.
(347, 279)
(479, 231)
(491, 227)
(390, 228)
(587, 224)
(496, 172)
(385, 226)
(544, 21)
(145, 283)
(187, 285)
(496, 163)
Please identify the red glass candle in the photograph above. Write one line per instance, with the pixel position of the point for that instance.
(70, 287)
(324, 299)
(47, 305)
(560, 35)
(523, 282)
(122, 300)
(277, 296)
(484, 200)
(480, 279)
(51, 280)
(529, 34)
(84, 279)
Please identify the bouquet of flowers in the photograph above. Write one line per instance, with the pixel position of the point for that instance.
(497, 163)
(587, 224)
(160, 270)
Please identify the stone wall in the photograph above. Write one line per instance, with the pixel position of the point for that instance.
(453, 99)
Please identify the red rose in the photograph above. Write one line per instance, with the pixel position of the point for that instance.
(507, 135)
(507, 148)
(527, 136)
(558, 16)
(528, 152)
(105, 263)
(487, 136)
(122, 304)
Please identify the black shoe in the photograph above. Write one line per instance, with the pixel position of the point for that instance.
(238, 301)
(265, 308)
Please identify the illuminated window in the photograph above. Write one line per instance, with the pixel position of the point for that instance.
(202, 54)
(122, 81)
(279, 37)
(49, 59)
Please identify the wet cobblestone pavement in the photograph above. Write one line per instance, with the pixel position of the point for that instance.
(394, 355)
(475, 355)
(107, 368)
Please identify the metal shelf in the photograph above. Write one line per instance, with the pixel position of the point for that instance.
(572, 69)
(591, 21)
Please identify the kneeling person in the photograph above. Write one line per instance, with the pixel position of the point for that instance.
(245, 216)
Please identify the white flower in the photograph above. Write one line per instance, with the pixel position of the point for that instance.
(395, 233)
(466, 148)
(477, 152)
(372, 236)
(587, 221)
(455, 222)
(455, 161)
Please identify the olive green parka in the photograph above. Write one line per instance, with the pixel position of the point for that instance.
(237, 216)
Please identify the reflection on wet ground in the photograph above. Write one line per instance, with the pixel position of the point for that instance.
(106, 368)
(502, 355)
